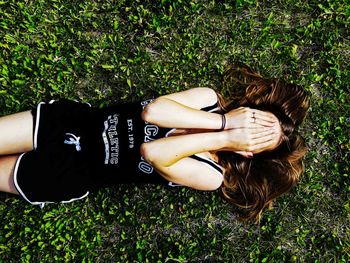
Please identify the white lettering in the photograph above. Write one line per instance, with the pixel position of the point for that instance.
(145, 167)
(111, 140)
(151, 130)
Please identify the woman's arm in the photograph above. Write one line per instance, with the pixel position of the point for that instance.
(167, 151)
(196, 98)
(182, 110)
(169, 156)
(192, 173)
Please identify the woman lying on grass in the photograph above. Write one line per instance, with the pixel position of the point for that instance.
(249, 146)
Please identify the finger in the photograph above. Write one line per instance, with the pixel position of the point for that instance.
(264, 115)
(245, 154)
(256, 125)
(259, 129)
(261, 147)
(242, 108)
(262, 122)
(266, 138)
(263, 134)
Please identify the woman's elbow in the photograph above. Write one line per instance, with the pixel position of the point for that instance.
(145, 114)
(211, 184)
(215, 184)
(149, 113)
(145, 151)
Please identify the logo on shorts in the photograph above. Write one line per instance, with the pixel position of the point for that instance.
(71, 139)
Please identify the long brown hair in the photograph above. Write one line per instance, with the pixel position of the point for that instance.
(253, 184)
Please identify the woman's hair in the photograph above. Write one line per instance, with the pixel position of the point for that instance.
(253, 184)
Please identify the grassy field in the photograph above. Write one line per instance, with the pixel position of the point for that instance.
(115, 51)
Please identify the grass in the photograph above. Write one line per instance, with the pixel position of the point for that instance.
(114, 51)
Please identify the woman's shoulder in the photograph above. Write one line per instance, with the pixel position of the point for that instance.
(207, 92)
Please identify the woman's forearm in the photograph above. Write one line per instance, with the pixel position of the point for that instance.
(171, 114)
(167, 151)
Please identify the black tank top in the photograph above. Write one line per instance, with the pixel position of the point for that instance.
(112, 145)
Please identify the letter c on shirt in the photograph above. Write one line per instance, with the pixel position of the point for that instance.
(151, 130)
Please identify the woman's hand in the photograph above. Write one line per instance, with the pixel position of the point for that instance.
(245, 117)
(247, 141)
(251, 131)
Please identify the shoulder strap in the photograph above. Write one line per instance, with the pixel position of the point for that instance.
(209, 162)
(211, 108)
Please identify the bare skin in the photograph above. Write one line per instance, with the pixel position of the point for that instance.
(16, 138)
(16, 133)
(7, 166)
(248, 131)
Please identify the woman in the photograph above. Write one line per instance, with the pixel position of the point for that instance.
(248, 147)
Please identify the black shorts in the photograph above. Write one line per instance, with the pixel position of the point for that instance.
(57, 169)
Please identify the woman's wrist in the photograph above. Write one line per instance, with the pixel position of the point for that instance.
(223, 122)
(222, 140)
(229, 121)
